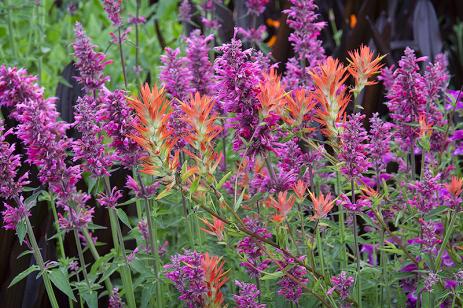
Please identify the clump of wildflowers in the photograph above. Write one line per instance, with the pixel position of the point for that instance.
(290, 286)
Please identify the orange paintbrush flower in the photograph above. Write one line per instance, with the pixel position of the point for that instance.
(425, 126)
(200, 117)
(330, 93)
(271, 93)
(215, 228)
(300, 106)
(455, 186)
(300, 189)
(215, 278)
(321, 205)
(363, 66)
(152, 110)
(283, 205)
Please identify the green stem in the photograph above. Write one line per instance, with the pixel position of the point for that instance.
(154, 249)
(96, 256)
(58, 229)
(120, 248)
(10, 28)
(81, 257)
(121, 52)
(448, 234)
(342, 231)
(41, 264)
(356, 247)
(320, 250)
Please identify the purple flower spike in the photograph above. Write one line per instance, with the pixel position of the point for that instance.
(354, 147)
(256, 7)
(113, 10)
(342, 284)
(247, 296)
(175, 75)
(13, 215)
(197, 58)
(89, 63)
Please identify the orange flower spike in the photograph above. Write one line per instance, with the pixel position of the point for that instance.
(299, 105)
(215, 228)
(330, 93)
(283, 205)
(321, 205)
(425, 127)
(152, 111)
(455, 186)
(215, 278)
(300, 189)
(363, 66)
(198, 114)
(271, 93)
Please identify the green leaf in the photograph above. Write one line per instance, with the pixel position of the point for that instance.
(61, 281)
(90, 298)
(21, 230)
(239, 201)
(223, 180)
(272, 276)
(130, 201)
(123, 217)
(164, 193)
(23, 275)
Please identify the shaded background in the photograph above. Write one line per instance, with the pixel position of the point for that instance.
(388, 27)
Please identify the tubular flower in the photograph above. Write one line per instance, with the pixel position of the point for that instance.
(152, 114)
(10, 187)
(290, 286)
(380, 139)
(330, 93)
(455, 186)
(113, 9)
(426, 193)
(187, 274)
(300, 109)
(408, 98)
(215, 278)
(198, 114)
(175, 75)
(256, 7)
(40, 131)
(89, 63)
(321, 205)
(342, 284)
(117, 121)
(307, 47)
(215, 228)
(353, 147)
(300, 190)
(283, 205)
(90, 147)
(197, 59)
(248, 295)
(110, 200)
(362, 67)
(184, 11)
(13, 215)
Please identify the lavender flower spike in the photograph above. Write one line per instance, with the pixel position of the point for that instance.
(197, 57)
(113, 9)
(175, 75)
(247, 296)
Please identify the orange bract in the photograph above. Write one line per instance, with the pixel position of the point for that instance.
(215, 278)
(198, 114)
(299, 105)
(271, 93)
(362, 67)
(455, 186)
(321, 205)
(215, 228)
(153, 111)
(283, 205)
(330, 93)
(300, 189)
